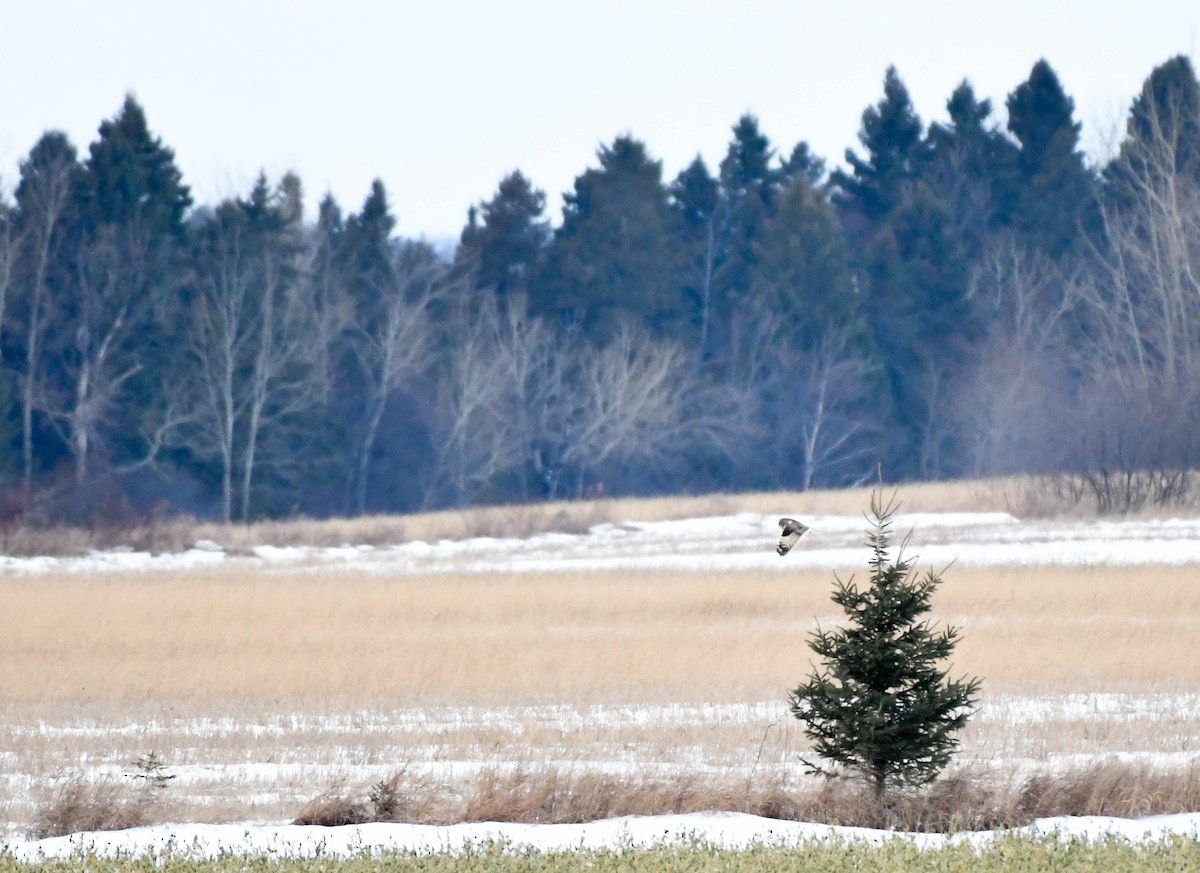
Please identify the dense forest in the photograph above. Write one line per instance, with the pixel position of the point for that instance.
(968, 297)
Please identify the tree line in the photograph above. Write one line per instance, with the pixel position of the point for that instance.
(968, 297)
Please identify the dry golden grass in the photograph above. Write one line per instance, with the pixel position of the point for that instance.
(198, 639)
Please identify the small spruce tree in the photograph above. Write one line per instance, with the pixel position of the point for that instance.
(882, 706)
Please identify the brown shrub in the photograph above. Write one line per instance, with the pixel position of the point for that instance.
(1112, 788)
(960, 801)
(332, 808)
(79, 805)
(956, 802)
(565, 796)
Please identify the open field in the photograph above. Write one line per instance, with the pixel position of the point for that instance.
(261, 677)
(1047, 852)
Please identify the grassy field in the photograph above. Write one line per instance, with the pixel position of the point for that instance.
(207, 640)
(262, 689)
(1006, 854)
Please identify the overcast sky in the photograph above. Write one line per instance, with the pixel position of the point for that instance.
(442, 98)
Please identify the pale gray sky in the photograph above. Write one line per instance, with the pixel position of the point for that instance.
(441, 98)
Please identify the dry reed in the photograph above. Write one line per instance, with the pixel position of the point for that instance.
(958, 801)
(195, 640)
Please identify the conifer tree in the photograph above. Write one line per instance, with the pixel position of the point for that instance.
(507, 246)
(1053, 205)
(701, 224)
(882, 706)
(614, 260)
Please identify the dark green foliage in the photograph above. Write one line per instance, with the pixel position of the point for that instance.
(701, 223)
(881, 705)
(891, 135)
(614, 260)
(749, 185)
(971, 167)
(507, 246)
(1053, 205)
(803, 268)
(912, 265)
(131, 179)
(1163, 131)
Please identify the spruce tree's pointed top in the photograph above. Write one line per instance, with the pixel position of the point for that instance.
(747, 164)
(626, 172)
(802, 162)
(1054, 205)
(968, 114)
(1166, 114)
(695, 193)
(629, 155)
(506, 235)
(376, 217)
(48, 170)
(1041, 116)
(131, 176)
(891, 134)
(329, 214)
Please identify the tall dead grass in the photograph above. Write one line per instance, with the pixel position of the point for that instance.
(198, 639)
(956, 802)
(80, 804)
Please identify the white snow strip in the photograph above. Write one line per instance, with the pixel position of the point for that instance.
(735, 542)
(723, 830)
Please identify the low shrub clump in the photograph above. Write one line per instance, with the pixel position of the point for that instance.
(104, 805)
(955, 802)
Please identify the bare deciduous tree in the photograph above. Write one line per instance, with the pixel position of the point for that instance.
(1146, 302)
(43, 198)
(393, 343)
(1009, 408)
(252, 347)
(474, 399)
(96, 316)
(631, 403)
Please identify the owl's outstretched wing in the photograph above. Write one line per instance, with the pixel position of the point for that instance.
(792, 530)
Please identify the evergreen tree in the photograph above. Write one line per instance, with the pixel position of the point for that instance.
(46, 226)
(131, 178)
(803, 268)
(1053, 205)
(970, 167)
(802, 162)
(252, 373)
(129, 267)
(913, 270)
(891, 135)
(367, 251)
(701, 223)
(508, 246)
(1162, 135)
(882, 706)
(614, 259)
(749, 187)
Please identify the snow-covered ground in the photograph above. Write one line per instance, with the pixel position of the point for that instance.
(726, 830)
(733, 542)
(736, 542)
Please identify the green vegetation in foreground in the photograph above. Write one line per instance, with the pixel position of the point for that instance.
(1111, 855)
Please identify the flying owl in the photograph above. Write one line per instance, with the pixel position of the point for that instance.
(792, 531)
